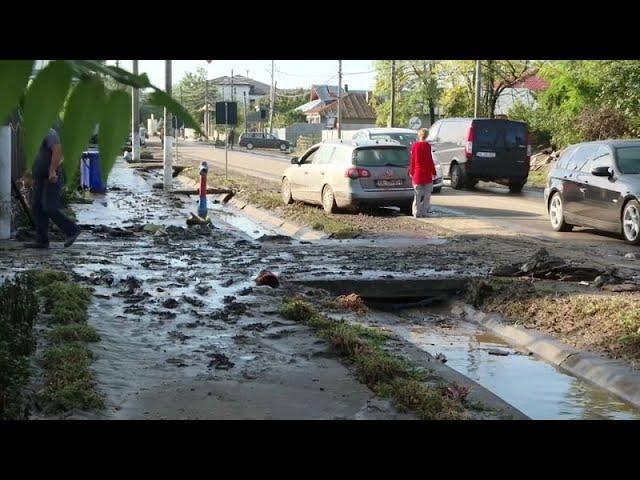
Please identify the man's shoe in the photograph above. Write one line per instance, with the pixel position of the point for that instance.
(36, 245)
(71, 239)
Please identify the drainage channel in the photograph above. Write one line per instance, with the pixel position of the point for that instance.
(418, 312)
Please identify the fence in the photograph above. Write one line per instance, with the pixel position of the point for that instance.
(18, 159)
(294, 131)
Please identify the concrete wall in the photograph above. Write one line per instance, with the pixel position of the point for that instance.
(292, 132)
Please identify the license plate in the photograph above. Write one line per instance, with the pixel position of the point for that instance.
(486, 154)
(389, 183)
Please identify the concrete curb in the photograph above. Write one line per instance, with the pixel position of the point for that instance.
(610, 375)
(262, 216)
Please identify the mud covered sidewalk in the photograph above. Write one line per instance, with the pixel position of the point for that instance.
(186, 333)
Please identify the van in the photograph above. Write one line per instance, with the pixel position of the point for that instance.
(487, 149)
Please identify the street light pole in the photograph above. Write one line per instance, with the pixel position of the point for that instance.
(168, 134)
(392, 119)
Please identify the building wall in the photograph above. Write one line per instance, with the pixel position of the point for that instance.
(223, 93)
(511, 96)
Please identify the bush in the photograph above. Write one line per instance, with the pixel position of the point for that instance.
(602, 123)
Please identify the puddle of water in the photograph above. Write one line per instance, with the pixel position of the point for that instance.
(533, 386)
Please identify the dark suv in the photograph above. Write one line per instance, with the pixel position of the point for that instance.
(488, 149)
(252, 140)
(597, 184)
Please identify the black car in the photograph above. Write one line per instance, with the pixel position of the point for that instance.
(488, 149)
(597, 184)
(251, 140)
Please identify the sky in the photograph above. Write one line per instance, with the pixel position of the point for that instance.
(358, 74)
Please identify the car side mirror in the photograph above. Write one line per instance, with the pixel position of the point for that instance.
(602, 172)
(295, 161)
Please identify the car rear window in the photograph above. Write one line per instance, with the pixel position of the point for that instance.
(628, 160)
(381, 157)
(404, 138)
(500, 133)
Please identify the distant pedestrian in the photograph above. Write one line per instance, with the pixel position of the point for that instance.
(47, 189)
(162, 136)
(422, 171)
(231, 138)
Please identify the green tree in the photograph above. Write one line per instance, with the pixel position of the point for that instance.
(192, 90)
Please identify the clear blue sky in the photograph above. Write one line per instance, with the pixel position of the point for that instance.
(289, 73)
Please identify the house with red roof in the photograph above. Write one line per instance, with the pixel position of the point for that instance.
(523, 91)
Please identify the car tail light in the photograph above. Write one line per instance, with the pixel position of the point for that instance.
(357, 172)
(529, 151)
(468, 149)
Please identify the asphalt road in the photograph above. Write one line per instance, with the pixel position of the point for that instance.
(524, 212)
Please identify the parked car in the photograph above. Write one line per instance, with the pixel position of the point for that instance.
(251, 140)
(404, 136)
(597, 184)
(474, 149)
(350, 174)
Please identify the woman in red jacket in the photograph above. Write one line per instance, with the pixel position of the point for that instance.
(422, 171)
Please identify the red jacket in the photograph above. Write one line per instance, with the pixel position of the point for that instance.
(421, 167)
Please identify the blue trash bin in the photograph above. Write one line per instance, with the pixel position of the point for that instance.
(90, 176)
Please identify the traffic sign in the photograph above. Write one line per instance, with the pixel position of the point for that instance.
(415, 123)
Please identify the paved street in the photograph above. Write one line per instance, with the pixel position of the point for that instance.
(523, 213)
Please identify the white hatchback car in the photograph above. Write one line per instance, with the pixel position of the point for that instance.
(405, 136)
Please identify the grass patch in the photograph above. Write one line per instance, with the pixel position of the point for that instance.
(387, 375)
(538, 178)
(18, 311)
(68, 379)
(73, 333)
(253, 192)
(42, 278)
(66, 302)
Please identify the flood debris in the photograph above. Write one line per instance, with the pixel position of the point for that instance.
(441, 357)
(500, 353)
(170, 303)
(542, 265)
(220, 361)
(352, 302)
(193, 301)
(265, 277)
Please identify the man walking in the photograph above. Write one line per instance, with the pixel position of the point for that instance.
(47, 188)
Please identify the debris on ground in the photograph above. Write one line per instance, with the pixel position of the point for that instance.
(170, 303)
(500, 353)
(193, 301)
(441, 357)
(352, 302)
(265, 277)
(455, 392)
(220, 361)
(542, 265)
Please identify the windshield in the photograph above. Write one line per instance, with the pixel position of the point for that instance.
(382, 157)
(629, 160)
(497, 133)
(404, 138)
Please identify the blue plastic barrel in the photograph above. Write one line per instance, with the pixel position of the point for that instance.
(90, 176)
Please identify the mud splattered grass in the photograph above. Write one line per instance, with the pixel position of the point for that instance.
(602, 321)
(384, 373)
(538, 178)
(68, 379)
(18, 311)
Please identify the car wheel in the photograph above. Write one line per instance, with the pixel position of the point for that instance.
(407, 209)
(437, 190)
(556, 214)
(285, 191)
(516, 187)
(283, 147)
(249, 146)
(457, 177)
(328, 200)
(631, 222)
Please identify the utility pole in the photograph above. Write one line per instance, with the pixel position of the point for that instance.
(206, 107)
(244, 94)
(135, 118)
(392, 119)
(168, 133)
(232, 93)
(272, 99)
(339, 99)
(476, 106)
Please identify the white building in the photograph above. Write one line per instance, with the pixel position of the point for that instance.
(235, 89)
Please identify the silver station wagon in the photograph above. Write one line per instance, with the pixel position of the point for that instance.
(350, 174)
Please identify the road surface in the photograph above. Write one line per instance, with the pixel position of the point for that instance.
(524, 212)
